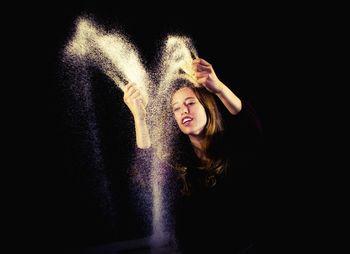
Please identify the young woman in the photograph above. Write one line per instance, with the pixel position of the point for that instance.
(213, 159)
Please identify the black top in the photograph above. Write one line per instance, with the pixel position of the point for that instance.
(222, 218)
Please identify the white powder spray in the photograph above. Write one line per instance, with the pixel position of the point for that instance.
(112, 53)
(117, 58)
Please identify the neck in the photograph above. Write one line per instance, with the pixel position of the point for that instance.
(198, 146)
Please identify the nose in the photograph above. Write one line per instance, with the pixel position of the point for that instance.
(184, 110)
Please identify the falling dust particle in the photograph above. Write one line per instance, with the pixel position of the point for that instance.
(115, 56)
(112, 53)
(176, 59)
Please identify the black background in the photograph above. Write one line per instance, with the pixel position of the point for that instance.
(252, 49)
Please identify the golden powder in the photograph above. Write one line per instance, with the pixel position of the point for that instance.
(117, 58)
(112, 53)
(176, 59)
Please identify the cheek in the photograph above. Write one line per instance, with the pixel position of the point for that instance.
(202, 115)
(177, 118)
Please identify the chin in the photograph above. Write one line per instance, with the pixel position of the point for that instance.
(186, 132)
(192, 132)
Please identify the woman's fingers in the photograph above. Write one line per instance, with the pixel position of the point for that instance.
(202, 74)
(135, 100)
(134, 97)
(201, 61)
(126, 90)
(139, 101)
(202, 80)
(199, 67)
(130, 91)
(127, 87)
(202, 68)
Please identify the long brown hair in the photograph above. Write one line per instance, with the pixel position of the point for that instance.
(213, 131)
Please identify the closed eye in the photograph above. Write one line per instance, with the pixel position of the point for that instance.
(191, 103)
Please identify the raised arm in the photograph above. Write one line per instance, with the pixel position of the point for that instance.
(206, 76)
(136, 102)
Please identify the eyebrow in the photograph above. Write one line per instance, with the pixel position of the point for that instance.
(190, 97)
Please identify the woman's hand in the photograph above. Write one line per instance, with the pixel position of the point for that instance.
(135, 101)
(206, 76)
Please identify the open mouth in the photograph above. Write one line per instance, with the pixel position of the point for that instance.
(186, 120)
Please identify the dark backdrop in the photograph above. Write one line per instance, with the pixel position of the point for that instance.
(65, 204)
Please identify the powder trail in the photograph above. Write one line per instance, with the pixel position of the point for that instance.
(117, 58)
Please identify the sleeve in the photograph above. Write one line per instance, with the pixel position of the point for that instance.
(246, 159)
(244, 141)
(244, 129)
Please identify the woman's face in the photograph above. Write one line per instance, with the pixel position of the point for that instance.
(189, 113)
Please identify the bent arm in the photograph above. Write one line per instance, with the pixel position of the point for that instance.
(230, 100)
(143, 140)
(206, 76)
(137, 102)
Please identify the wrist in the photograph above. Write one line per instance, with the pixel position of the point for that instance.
(139, 119)
(220, 91)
